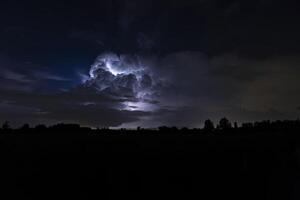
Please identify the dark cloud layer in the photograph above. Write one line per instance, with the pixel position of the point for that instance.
(203, 59)
(76, 106)
(190, 88)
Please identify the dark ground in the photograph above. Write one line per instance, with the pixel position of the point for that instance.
(86, 164)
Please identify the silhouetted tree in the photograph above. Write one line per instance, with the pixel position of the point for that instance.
(224, 124)
(41, 127)
(66, 126)
(247, 125)
(6, 125)
(25, 127)
(184, 129)
(174, 128)
(209, 125)
(163, 128)
(236, 125)
(264, 125)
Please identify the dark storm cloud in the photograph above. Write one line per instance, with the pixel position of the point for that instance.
(22, 102)
(196, 87)
(208, 58)
(77, 106)
(216, 25)
(193, 87)
(254, 28)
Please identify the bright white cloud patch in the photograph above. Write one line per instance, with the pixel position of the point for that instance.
(124, 77)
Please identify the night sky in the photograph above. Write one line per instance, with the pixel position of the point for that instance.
(129, 63)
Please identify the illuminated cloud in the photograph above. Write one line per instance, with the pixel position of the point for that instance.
(124, 77)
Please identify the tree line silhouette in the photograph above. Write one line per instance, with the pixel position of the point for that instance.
(224, 125)
(258, 160)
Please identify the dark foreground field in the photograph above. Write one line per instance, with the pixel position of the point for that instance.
(86, 164)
